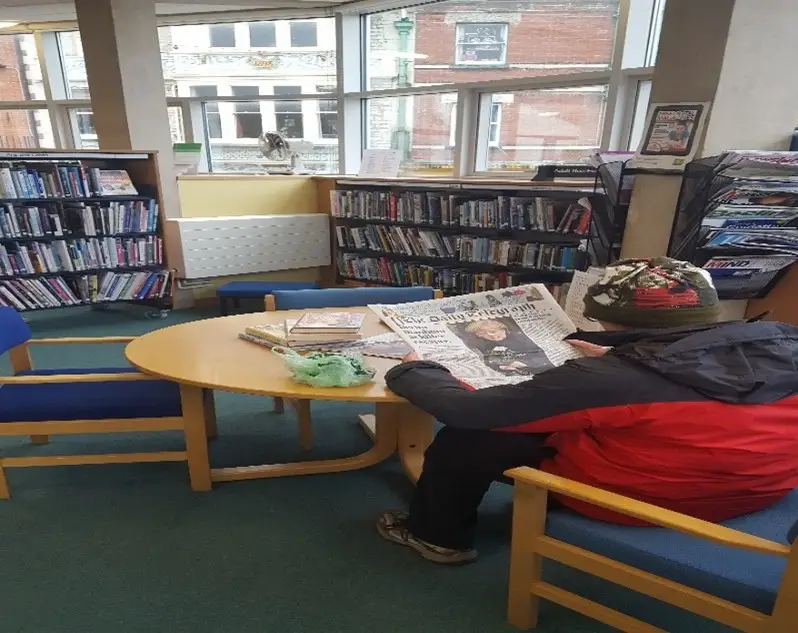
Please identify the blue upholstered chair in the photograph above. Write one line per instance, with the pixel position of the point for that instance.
(234, 291)
(338, 298)
(742, 573)
(43, 402)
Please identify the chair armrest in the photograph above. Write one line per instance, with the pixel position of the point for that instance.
(74, 378)
(647, 512)
(81, 340)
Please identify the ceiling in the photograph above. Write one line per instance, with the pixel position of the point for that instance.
(38, 11)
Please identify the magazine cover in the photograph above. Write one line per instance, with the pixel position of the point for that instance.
(671, 136)
(484, 342)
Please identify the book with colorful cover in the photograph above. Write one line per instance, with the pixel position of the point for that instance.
(345, 322)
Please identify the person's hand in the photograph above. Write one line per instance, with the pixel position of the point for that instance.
(589, 349)
(411, 357)
(516, 365)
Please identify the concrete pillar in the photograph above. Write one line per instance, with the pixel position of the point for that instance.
(733, 53)
(123, 66)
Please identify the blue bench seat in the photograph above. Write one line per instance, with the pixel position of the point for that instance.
(234, 291)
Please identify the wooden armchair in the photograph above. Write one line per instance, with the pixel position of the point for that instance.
(41, 402)
(751, 584)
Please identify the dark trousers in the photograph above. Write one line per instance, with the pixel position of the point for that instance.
(459, 467)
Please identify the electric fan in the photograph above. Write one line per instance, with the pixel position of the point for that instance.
(274, 146)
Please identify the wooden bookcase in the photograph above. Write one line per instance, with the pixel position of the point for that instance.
(64, 244)
(466, 235)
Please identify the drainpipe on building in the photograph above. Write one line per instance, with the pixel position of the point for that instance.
(401, 136)
(23, 81)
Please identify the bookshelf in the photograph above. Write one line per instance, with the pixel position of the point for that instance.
(81, 228)
(468, 235)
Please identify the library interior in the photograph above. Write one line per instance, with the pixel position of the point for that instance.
(273, 270)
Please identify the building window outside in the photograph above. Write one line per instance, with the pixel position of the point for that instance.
(222, 35)
(481, 44)
(85, 122)
(213, 118)
(249, 123)
(328, 118)
(288, 114)
(262, 35)
(303, 34)
(495, 124)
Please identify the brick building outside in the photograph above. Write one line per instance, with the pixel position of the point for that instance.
(457, 42)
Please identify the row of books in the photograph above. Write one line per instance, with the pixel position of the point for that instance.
(466, 248)
(79, 254)
(54, 180)
(451, 281)
(502, 212)
(71, 218)
(56, 292)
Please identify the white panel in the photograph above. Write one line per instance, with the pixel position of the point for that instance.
(216, 247)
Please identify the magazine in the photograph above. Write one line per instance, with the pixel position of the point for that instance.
(490, 338)
(671, 137)
(746, 277)
(389, 345)
(575, 299)
(328, 322)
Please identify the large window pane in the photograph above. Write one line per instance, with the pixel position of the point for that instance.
(77, 85)
(25, 129)
(529, 127)
(20, 72)
(85, 135)
(233, 139)
(639, 117)
(300, 52)
(455, 41)
(222, 35)
(419, 126)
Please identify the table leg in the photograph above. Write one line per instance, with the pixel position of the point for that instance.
(192, 401)
(385, 442)
(4, 494)
(416, 431)
(209, 409)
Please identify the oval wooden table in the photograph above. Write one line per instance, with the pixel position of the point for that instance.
(207, 355)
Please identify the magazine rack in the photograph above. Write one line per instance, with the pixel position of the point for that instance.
(703, 179)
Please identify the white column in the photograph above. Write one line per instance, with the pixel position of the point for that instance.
(123, 66)
(734, 53)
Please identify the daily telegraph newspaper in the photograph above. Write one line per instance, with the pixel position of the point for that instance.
(489, 338)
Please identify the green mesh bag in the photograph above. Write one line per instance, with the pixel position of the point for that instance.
(326, 369)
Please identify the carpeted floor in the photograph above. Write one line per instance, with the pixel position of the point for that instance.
(129, 549)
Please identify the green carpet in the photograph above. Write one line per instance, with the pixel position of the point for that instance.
(129, 549)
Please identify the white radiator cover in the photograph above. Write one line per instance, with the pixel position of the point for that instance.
(217, 247)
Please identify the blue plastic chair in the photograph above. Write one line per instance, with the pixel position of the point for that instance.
(43, 402)
(742, 572)
(233, 291)
(337, 298)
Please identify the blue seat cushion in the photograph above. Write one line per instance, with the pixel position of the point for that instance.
(743, 577)
(258, 288)
(348, 297)
(88, 400)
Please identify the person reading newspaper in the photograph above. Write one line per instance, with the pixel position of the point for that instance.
(669, 405)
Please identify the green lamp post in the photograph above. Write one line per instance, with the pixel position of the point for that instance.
(401, 136)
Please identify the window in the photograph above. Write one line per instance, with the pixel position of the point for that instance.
(639, 117)
(262, 35)
(419, 126)
(303, 34)
(288, 114)
(222, 35)
(84, 119)
(328, 118)
(249, 123)
(540, 126)
(27, 129)
(213, 118)
(481, 44)
(19, 68)
(84, 134)
(457, 42)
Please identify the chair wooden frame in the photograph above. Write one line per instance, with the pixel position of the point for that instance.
(302, 407)
(195, 430)
(530, 546)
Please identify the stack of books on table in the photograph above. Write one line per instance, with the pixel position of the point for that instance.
(311, 331)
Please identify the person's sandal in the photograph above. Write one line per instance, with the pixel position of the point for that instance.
(392, 526)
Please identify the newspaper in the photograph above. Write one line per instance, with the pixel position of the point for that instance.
(487, 339)
(575, 299)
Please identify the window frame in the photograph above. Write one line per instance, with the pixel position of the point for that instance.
(505, 28)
